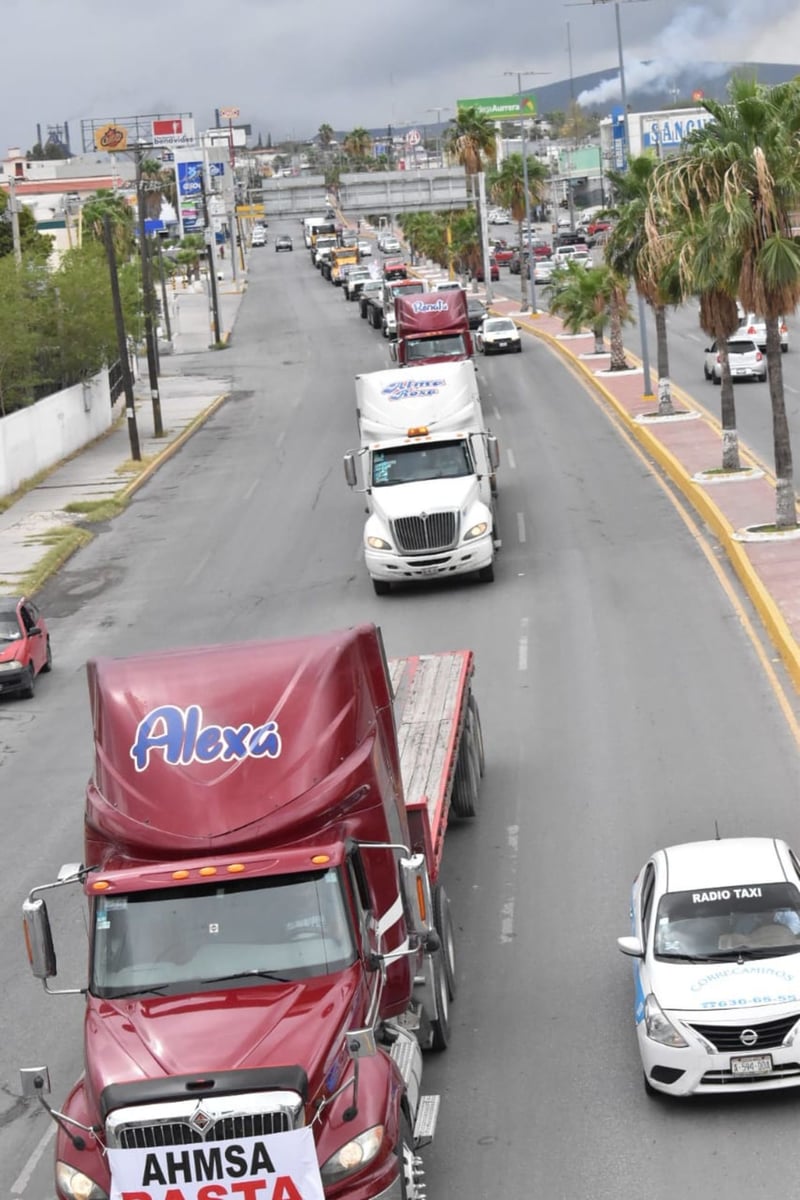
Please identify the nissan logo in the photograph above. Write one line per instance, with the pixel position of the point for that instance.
(748, 1037)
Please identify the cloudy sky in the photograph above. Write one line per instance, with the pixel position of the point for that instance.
(290, 65)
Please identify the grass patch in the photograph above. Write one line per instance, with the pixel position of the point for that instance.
(63, 542)
(96, 510)
(728, 471)
(132, 467)
(773, 529)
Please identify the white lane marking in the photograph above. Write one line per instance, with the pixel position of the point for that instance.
(507, 911)
(522, 646)
(521, 526)
(280, 439)
(23, 1179)
(512, 462)
(250, 490)
(198, 567)
(497, 415)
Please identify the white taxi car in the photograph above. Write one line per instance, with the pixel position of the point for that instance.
(496, 335)
(716, 949)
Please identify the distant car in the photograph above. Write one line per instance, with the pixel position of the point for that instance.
(390, 245)
(564, 223)
(543, 270)
(445, 285)
(715, 946)
(582, 256)
(354, 281)
(744, 357)
(283, 242)
(25, 650)
(503, 255)
(599, 226)
(499, 217)
(258, 236)
(365, 248)
(566, 237)
(494, 271)
(476, 312)
(756, 327)
(565, 254)
(395, 269)
(497, 335)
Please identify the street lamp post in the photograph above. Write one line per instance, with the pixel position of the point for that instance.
(148, 296)
(531, 280)
(648, 385)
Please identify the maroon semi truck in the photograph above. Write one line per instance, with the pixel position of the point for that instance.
(432, 328)
(270, 946)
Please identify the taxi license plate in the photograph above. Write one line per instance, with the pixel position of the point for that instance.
(502, 345)
(753, 1064)
(741, 371)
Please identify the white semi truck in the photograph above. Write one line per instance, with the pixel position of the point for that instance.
(426, 465)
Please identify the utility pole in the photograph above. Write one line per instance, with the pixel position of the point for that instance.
(148, 294)
(573, 114)
(122, 341)
(209, 239)
(439, 109)
(163, 279)
(525, 184)
(14, 213)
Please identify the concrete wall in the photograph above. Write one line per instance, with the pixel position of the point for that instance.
(37, 437)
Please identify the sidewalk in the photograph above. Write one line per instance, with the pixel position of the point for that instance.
(688, 448)
(38, 532)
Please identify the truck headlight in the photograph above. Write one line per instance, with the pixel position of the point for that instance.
(76, 1185)
(376, 543)
(476, 531)
(11, 665)
(659, 1027)
(353, 1155)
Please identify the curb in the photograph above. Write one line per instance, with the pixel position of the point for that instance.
(768, 611)
(171, 448)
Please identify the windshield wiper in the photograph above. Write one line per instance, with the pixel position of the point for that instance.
(154, 990)
(690, 958)
(253, 974)
(753, 952)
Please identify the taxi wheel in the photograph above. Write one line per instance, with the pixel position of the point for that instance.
(648, 1087)
(28, 690)
(48, 662)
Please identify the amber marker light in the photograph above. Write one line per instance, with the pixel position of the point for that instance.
(418, 431)
(421, 899)
(207, 871)
(320, 859)
(236, 868)
(101, 885)
(180, 874)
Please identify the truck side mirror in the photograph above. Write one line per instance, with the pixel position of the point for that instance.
(393, 351)
(350, 469)
(415, 887)
(493, 447)
(39, 938)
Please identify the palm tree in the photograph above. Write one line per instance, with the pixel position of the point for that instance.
(121, 216)
(508, 189)
(158, 185)
(325, 135)
(746, 164)
(628, 252)
(593, 296)
(358, 143)
(471, 138)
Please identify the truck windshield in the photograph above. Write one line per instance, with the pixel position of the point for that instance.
(412, 464)
(187, 939)
(452, 346)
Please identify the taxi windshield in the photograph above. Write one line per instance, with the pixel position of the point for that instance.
(9, 630)
(754, 921)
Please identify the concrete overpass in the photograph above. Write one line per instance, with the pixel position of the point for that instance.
(367, 193)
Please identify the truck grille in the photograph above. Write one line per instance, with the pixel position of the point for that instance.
(418, 535)
(728, 1038)
(184, 1123)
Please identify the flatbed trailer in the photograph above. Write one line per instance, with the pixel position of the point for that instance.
(440, 744)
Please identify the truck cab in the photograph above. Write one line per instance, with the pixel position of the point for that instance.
(342, 256)
(432, 328)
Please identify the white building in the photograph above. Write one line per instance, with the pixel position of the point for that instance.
(660, 133)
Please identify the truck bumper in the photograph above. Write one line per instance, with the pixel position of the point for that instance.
(472, 556)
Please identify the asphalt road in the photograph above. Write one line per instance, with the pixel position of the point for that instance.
(623, 709)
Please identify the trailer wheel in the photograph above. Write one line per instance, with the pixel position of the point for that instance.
(465, 785)
(477, 734)
(440, 1024)
(443, 923)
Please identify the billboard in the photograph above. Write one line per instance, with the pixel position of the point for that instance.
(501, 108)
(173, 131)
(111, 137)
(189, 177)
(669, 128)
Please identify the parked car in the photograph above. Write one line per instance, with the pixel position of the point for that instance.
(497, 335)
(25, 650)
(476, 312)
(283, 242)
(745, 359)
(755, 327)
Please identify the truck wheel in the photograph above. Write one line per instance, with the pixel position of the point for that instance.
(465, 784)
(477, 734)
(382, 587)
(444, 927)
(440, 1025)
(486, 574)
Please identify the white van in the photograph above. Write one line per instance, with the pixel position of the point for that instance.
(445, 285)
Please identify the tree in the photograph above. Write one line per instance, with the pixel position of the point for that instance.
(122, 221)
(628, 252)
(745, 165)
(508, 189)
(19, 336)
(593, 296)
(471, 138)
(34, 245)
(325, 136)
(358, 143)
